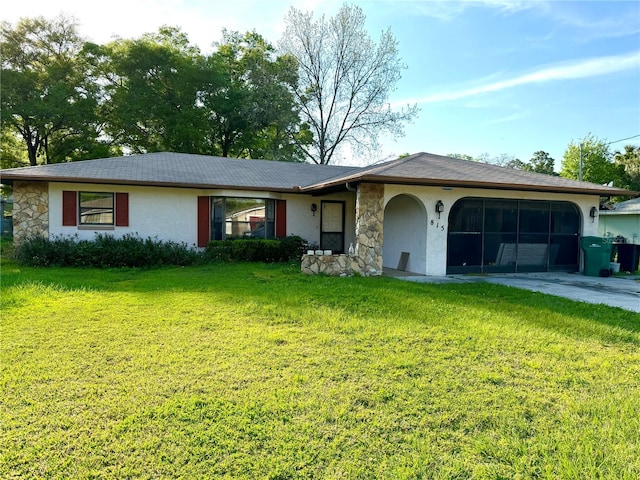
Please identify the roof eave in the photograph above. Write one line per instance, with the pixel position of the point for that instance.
(605, 191)
(142, 183)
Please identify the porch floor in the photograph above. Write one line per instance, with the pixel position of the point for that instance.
(392, 272)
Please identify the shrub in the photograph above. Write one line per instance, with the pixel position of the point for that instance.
(257, 250)
(39, 251)
(105, 251)
(293, 247)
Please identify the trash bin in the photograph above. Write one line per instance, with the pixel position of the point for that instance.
(628, 257)
(597, 255)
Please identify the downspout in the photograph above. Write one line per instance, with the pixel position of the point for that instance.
(350, 188)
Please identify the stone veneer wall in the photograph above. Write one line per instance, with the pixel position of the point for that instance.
(369, 225)
(333, 265)
(30, 210)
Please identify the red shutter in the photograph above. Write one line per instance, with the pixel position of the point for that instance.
(281, 218)
(69, 208)
(204, 221)
(122, 209)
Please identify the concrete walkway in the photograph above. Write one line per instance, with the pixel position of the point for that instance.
(623, 292)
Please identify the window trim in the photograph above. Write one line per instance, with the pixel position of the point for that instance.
(270, 224)
(93, 225)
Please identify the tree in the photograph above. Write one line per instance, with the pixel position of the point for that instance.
(597, 166)
(629, 162)
(12, 147)
(47, 96)
(462, 156)
(344, 81)
(153, 88)
(252, 113)
(541, 162)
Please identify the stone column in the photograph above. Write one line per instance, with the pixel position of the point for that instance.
(30, 210)
(369, 220)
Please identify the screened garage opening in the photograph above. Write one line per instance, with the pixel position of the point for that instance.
(506, 236)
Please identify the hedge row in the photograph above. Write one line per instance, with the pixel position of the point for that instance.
(106, 251)
(245, 250)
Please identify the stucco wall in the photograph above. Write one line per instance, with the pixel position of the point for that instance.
(162, 213)
(626, 225)
(400, 212)
(437, 228)
(302, 222)
(171, 213)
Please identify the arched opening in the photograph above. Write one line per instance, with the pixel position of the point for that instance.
(405, 231)
(491, 235)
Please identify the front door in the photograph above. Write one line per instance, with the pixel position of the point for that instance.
(332, 226)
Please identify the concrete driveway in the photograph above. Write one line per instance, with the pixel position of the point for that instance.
(619, 291)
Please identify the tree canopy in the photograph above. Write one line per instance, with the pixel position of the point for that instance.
(345, 80)
(628, 161)
(541, 162)
(595, 157)
(253, 113)
(152, 86)
(48, 98)
(67, 99)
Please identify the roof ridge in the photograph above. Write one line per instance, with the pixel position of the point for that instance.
(398, 161)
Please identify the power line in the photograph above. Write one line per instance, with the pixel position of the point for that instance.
(615, 141)
(622, 140)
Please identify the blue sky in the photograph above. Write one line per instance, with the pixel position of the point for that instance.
(494, 76)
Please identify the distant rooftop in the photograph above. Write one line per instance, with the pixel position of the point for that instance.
(629, 207)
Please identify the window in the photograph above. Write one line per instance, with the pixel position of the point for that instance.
(242, 218)
(96, 208)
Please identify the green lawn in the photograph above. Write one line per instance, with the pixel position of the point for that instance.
(256, 371)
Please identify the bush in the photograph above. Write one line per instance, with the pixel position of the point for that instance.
(39, 251)
(257, 250)
(105, 251)
(293, 247)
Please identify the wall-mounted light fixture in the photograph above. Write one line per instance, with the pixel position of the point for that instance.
(593, 213)
(439, 207)
(314, 209)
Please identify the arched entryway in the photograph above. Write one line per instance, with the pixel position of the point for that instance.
(405, 230)
(491, 235)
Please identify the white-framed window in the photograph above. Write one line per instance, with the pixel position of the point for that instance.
(96, 208)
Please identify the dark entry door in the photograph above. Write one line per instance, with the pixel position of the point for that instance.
(332, 226)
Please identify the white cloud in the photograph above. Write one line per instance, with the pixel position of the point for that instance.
(447, 10)
(566, 71)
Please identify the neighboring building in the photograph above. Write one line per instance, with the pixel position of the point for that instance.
(622, 226)
(425, 213)
(622, 221)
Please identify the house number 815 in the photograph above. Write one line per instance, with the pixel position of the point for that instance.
(437, 225)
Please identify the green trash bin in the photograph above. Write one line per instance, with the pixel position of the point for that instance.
(597, 255)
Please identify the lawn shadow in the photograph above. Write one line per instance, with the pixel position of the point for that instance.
(274, 287)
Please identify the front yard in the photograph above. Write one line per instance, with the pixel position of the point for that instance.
(256, 371)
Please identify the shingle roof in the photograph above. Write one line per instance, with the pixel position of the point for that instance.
(200, 171)
(437, 170)
(185, 170)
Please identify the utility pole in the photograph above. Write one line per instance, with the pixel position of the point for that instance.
(580, 174)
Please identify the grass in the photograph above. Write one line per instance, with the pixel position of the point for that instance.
(257, 371)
